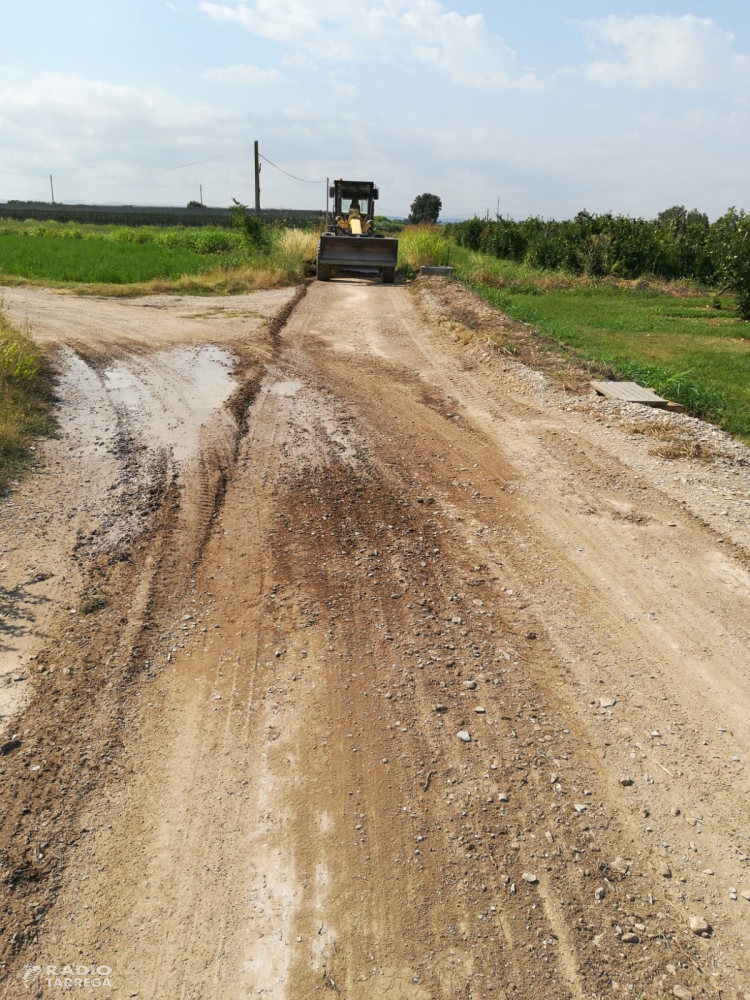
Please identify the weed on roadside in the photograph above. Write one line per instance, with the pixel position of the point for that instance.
(683, 447)
(25, 398)
(675, 445)
(91, 602)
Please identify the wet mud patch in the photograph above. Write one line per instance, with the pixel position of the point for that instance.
(168, 401)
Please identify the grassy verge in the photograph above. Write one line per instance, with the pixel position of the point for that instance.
(669, 336)
(123, 261)
(24, 399)
(418, 245)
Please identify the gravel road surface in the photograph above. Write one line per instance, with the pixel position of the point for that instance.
(357, 660)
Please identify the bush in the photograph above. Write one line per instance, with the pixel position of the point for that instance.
(257, 235)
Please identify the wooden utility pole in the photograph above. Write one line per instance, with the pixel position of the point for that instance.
(257, 181)
(52, 189)
(328, 181)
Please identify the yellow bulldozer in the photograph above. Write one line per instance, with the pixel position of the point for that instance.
(350, 242)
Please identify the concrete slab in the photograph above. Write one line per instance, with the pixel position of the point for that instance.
(436, 272)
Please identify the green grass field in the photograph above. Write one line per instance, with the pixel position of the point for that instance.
(180, 259)
(669, 337)
(101, 261)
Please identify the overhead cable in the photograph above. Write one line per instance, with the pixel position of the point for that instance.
(294, 178)
(137, 173)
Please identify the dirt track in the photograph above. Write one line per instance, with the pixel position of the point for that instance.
(325, 550)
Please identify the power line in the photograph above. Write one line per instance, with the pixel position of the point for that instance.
(295, 178)
(183, 166)
(157, 170)
(136, 173)
(18, 173)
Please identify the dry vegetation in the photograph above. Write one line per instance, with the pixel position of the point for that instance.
(24, 397)
(674, 445)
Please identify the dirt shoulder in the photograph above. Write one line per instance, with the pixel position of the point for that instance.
(142, 323)
(417, 675)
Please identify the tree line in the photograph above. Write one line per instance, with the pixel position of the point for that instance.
(677, 244)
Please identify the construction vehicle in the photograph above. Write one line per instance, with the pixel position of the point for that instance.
(350, 242)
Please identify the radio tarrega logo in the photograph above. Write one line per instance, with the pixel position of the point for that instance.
(67, 977)
(30, 975)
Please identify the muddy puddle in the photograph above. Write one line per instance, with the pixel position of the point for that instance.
(287, 389)
(170, 395)
(124, 430)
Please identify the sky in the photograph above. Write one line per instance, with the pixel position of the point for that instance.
(540, 108)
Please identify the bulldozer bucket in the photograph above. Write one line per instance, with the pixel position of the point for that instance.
(357, 253)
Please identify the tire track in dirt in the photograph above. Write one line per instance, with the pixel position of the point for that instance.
(98, 663)
(294, 811)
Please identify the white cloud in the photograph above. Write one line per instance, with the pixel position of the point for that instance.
(650, 50)
(251, 75)
(82, 130)
(299, 61)
(87, 102)
(530, 82)
(339, 86)
(104, 143)
(422, 31)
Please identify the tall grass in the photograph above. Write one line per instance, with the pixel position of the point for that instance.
(24, 398)
(291, 252)
(420, 245)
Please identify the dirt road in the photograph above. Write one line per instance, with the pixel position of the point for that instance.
(403, 674)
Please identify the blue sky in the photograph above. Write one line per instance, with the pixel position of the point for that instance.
(549, 107)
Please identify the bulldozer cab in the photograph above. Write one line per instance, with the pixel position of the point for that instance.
(353, 199)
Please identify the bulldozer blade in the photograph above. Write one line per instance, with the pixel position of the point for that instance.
(354, 253)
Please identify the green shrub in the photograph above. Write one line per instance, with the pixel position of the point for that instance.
(258, 236)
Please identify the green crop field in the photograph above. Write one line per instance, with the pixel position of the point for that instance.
(671, 337)
(138, 260)
(100, 261)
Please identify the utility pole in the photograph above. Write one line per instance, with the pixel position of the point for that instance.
(257, 181)
(328, 181)
(52, 189)
(201, 194)
(497, 214)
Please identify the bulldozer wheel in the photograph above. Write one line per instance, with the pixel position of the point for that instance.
(323, 270)
(389, 275)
